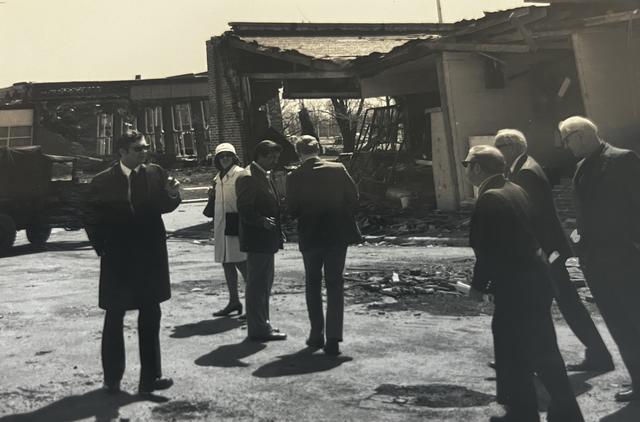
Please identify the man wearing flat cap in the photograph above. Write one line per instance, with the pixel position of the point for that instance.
(608, 210)
(524, 170)
(511, 265)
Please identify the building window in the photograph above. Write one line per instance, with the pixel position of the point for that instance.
(153, 128)
(16, 136)
(104, 134)
(183, 127)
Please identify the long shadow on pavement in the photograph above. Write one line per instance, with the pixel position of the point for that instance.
(230, 355)
(29, 249)
(301, 362)
(578, 382)
(199, 231)
(631, 412)
(205, 328)
(95, 404)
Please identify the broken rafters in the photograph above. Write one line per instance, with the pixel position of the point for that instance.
(612, 18)
(275, 53)
(324, 74)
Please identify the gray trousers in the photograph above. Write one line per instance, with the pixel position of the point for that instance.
(257, 292)
(332, 259)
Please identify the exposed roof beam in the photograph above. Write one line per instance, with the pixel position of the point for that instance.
(326, 74)
(524, 31)
(338, 94)
(485, 48)
(274, 53)
(612, 18)
(310, 29)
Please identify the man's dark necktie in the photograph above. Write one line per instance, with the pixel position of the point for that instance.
(138, 190)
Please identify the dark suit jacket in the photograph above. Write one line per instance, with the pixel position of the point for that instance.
(256, 201)
(505, 246)
(134, 267)
(608, 202)
(322, 196)
(528, 174)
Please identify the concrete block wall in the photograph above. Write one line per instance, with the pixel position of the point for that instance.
(226, 107)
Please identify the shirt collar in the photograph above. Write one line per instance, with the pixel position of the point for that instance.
(516, 161)
(259, 167)
(486, 181)
(127, 171)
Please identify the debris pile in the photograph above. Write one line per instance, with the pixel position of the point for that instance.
(439, 279)
(376, 218)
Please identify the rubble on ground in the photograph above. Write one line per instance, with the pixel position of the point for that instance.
(444, 279)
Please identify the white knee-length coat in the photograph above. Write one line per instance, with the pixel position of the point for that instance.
(227, 248)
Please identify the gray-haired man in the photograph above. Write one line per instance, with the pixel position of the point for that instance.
(523, 170)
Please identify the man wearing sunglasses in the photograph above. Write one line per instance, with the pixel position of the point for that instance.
(525, 171)
(608, 210)
(511, 265)
(125, 227)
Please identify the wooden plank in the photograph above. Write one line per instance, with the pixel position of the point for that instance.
(301, 75)
(297, 58)
(473, 47)
(524, 31)
(283, 29)
(514, 37)
(612, 18)
(302, 95)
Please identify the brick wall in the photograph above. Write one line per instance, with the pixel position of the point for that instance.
(227, 112)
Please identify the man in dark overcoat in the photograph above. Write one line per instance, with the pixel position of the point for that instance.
(322, 196)
(608, 233)
(261, 237)
(126, 230)
(511, 265)
(524, 170)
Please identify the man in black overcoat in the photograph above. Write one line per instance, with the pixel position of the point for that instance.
(322, 196)
(126, 230)
(608, 210)
(511, 265)
(524, 170)
(261, 237)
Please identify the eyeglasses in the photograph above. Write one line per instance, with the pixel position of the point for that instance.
(565, 138)
(141, 148)
(466, 163)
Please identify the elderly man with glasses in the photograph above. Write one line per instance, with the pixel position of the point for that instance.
(523, 170)
(511, 265)
(608, 235)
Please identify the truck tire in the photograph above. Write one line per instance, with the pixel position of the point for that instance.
(38, 234)
(7, 232)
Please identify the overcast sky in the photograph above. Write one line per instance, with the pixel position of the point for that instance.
(65, 40)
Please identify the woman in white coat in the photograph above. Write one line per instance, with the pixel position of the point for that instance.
(226, 224)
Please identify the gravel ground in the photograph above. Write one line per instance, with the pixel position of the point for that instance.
(404, 359)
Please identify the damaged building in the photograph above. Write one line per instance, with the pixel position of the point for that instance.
(453, 85)
(84, 118)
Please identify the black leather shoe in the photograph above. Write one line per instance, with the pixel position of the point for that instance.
(315, 342)
(491, 364)
(112, 388)
(627, 396)
(332, 348)
(157, 384)
(590, 365)
(272, 336)
(229, 309)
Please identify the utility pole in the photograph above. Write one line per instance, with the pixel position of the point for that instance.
(439, 11)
